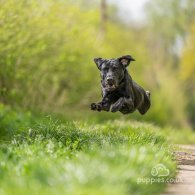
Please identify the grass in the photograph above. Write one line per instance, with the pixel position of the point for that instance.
(40, 155)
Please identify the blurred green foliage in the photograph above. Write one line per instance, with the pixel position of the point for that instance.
(187, 72)
(11, 121)
(47, 49)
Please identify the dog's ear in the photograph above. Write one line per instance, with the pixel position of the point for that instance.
(125, 60)
(98, 62)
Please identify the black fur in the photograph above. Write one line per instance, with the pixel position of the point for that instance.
(119, 91)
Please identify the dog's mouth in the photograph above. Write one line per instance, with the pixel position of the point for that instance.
(111, 87)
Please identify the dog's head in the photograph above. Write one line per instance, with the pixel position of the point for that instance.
(112, 70)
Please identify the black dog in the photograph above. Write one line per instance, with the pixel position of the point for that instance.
(119, 91)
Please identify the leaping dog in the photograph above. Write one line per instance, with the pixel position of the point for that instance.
(119, 91)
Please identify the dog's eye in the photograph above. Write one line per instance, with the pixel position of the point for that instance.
(105, 69)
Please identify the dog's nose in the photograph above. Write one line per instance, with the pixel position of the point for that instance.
(110, 80)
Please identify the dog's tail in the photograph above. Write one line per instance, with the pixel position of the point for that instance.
(146, 103)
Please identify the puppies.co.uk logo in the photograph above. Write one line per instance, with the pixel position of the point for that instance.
(160, 174)
(160, 170)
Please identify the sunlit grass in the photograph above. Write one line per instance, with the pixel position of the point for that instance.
(44, 155)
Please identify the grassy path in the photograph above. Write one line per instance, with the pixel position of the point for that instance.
(186, 172)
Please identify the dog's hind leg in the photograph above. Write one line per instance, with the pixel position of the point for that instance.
(143, 108)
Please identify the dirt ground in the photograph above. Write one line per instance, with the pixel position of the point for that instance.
(186, 172)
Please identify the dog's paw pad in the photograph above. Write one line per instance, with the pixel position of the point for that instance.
(93, 106)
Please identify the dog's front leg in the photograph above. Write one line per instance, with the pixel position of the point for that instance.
(128, 106)
(124, 105)
(117, 105)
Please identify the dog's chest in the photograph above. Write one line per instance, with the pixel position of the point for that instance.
(115, 95)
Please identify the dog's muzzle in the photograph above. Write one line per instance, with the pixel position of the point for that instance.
(110, 85)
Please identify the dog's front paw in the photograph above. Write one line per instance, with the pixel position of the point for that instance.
(95, 106)
(113, 109)
(117, 105)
